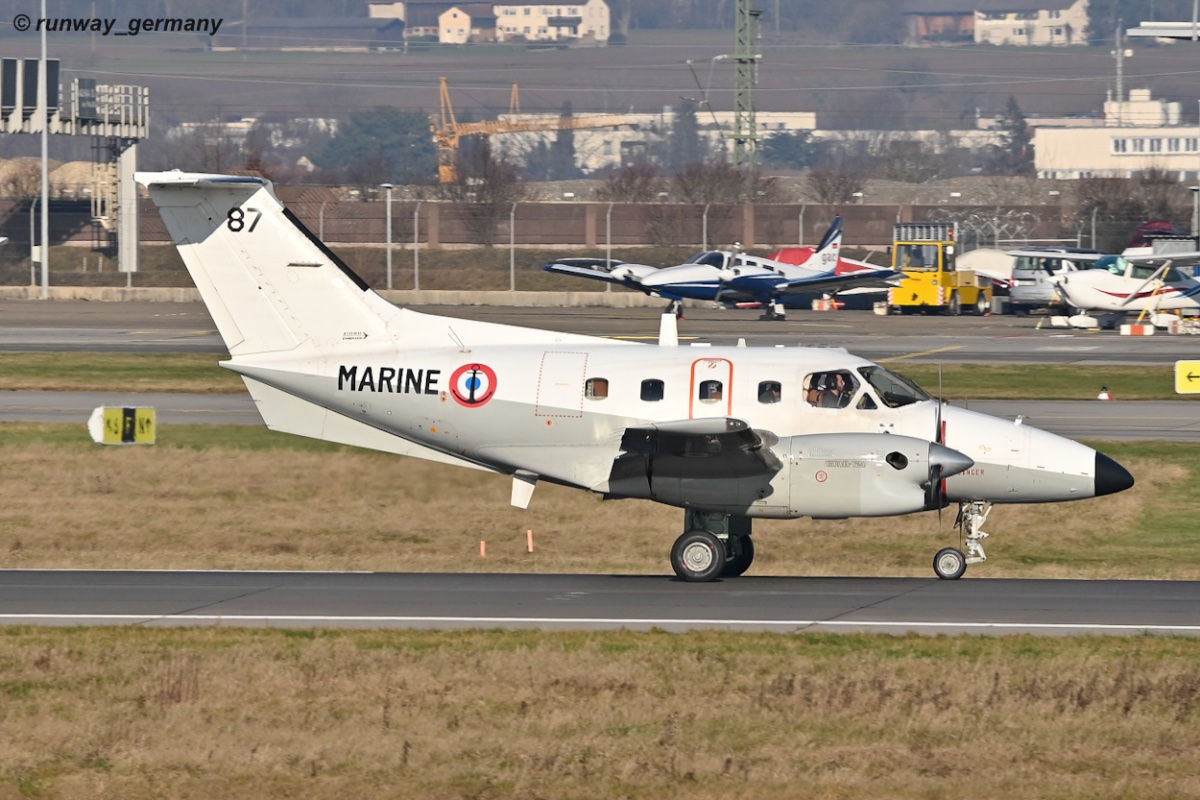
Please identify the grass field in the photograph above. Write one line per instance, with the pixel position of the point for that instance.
(205, 713)
(210, 497)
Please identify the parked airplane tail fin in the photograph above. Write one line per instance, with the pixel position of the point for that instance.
(269, 283)
(825, 257)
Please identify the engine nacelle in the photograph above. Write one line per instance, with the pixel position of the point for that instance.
(826, 475)
(837, 475)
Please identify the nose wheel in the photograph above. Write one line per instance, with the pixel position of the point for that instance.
(950, 563)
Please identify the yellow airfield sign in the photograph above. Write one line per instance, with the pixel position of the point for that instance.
(1187, 377)
(109, 425)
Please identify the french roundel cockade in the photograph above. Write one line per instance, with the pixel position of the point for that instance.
(472, 385)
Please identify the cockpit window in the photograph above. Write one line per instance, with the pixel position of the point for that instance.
(894, 390)
(711, 258)
(1114, 264)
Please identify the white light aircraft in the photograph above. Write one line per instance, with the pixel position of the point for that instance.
(728, 434)
(1116, 286)
(733, 278)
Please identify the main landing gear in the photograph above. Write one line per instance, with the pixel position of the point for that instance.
(775, 312)
(712, 546)
(676, 308)
(950, 563)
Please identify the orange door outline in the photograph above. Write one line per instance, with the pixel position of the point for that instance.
(711, 369)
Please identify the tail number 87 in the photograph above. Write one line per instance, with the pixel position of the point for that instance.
(235, 220)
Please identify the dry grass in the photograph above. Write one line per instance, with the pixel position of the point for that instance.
(298, 506)
(199, 713)
(126, 713)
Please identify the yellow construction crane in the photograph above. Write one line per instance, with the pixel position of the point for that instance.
(451, 130)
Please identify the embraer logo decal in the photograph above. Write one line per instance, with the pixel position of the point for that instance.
(472, 385)
(394, 380)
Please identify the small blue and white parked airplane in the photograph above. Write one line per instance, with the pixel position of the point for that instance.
(1112, 287)
(729, 434)
(733, 278)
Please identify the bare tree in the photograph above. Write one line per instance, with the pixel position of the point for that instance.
(21, 179)
(1118, 206)
(484, 190)
(209, 148)
(909, 161)
(723, 183)
(709, 183)
(834, 185)
(636, 183)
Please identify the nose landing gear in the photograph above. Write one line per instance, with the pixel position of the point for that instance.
(950, 563)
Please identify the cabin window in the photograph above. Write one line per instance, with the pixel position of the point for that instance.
(653, 390)
(711, 392)
(596, 388)
(769, 392)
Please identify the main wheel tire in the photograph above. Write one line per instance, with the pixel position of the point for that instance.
(949, 564)
(698, 557)
(954, 307)
(740, 555)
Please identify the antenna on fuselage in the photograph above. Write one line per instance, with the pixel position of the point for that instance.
(462, 348)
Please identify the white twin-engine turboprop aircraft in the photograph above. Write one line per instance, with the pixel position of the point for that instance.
(729, 434)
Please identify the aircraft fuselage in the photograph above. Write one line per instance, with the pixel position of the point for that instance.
(560, 411)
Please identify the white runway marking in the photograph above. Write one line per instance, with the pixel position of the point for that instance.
(614, 621)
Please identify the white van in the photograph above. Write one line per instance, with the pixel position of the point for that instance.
(1031, 287)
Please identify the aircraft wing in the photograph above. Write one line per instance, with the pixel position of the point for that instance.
(1078, 258)
(876, 278)
(603, 269)
(714, 447)
(1174, 259)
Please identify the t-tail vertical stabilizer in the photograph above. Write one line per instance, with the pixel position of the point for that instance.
(270, 285)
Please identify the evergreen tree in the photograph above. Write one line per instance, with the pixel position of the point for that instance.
(384, 143)
(683, 144)
(562, 151)
(788, 150)
(1014, 154)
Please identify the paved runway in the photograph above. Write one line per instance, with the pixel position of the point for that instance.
(599, 602)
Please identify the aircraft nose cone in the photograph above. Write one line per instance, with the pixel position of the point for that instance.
(1111, 477)
(951, 461)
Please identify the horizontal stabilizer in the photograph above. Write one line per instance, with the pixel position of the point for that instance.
(288, 414)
